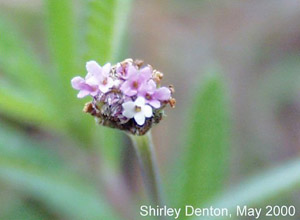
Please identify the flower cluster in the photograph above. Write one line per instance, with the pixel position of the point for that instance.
(127, 96)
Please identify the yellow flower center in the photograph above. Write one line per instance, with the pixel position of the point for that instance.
(138, 109)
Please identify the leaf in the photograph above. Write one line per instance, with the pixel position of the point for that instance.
(13, 207)
(19, 63)
(31, 169)
(202, 171)
(62, 40)
(62, 43)
(106, 27)
(26, 92)
(69, 196)
(110, 142)
(16, 145)
(26, 107)
(262, 188)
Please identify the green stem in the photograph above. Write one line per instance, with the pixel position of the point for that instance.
(145, 152)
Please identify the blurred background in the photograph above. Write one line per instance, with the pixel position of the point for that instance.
(255, 46)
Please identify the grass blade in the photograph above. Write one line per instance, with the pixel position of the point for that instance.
(202, 171)
(264, 186)
(26, 107)
(260, 189)
(106, 24)
(30, 168)
(62, 42)
(19, 64)
(67, 195)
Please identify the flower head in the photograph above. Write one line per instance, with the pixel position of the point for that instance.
(125, 96)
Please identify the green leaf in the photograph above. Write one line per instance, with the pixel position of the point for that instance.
(20, 66)
(264, 186)
(110, 142)
(16, 145)
(26, 92)
(106, 27)
(62, 43)
(202, 171)
(31, 169)
(261, 188)
(62, 40)
(67, 195)
(26, 107)
(13, 206)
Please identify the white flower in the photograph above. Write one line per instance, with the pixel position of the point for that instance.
(137, 110)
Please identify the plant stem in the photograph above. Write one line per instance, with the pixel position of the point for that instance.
(145, 152)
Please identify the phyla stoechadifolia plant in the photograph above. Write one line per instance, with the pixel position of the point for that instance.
(127, 96)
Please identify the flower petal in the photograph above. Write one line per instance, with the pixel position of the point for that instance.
(93, 67)
(151, 84)
(106, 69)
(110, 82)
(117, 83)
(129, 109)
(77, 82)
(139, 118)
(94, 92)
(162, 94)
(140, 101)
(82, 93)
(147, 88)
(126, 89)
(88, 75)
(105, 87)
(146, 72)
(154, 103)
(147, 110)
(131, 71)
(92, 81)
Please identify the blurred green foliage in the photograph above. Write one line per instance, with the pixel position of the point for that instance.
(39, 96)
(206, 144)
(202, 167)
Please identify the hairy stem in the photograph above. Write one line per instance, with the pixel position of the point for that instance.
(145, 152)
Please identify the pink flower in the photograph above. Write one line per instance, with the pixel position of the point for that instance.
(154, 96)
(122, 70)
(136, 78)
(97, 79)
(99, 76)
(84, 89)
